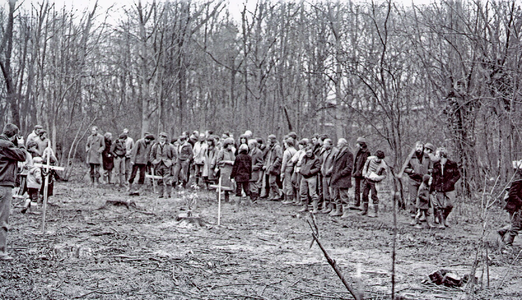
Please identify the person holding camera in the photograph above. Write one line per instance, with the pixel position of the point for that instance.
(12, 151)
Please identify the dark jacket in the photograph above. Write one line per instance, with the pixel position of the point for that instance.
(342, 169)
(242, 168)
(360, 159)
(141, 152)
(514, 201)
(274, 159)
(118, 148)
(162, 154)
(445, 182)
(310, 166)
(107, 156)
(10, 155)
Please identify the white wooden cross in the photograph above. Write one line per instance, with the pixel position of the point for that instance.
(49, 152)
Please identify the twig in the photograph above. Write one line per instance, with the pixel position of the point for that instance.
(508, 269)
(332, 263)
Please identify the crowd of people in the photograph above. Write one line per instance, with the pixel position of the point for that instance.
(314, 173)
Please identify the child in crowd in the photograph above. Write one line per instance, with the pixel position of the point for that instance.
(34, 183)
(423, 202)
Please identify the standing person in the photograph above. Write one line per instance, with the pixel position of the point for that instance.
(329, 154)
(423, 202)
(129, 146)
(272, 168)
(224, 162)
(34, 183)
(257, 169)
(33, 135)
(140, 159)
(341, 181)
(416, 169)
(209, 163)
(297, 160)
(310, 167)
(445, 174)
(242, 172)
(514, 208)
(108, 158)
(42, 140)
(162, 155)
(360, 159)
(94, 148)
(374, 172)
(12, 151)
(199, 158)
(184, 159)
(119, 151)
(288, 169)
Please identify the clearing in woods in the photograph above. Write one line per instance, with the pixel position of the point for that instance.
(97, 251)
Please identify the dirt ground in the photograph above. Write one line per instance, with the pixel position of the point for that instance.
(95, 251)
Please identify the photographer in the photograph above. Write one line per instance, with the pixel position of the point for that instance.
(12, 151)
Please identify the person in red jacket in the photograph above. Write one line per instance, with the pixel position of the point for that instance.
(310, 167)
(12, 151)
(242, 172)
(445, 174)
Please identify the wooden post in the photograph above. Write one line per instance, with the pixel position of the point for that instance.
(219, 201)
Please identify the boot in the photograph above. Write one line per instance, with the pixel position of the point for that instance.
(338, 211)
(254, 197)
(238, 202)
(441, 219)
(375, 211)
(315, 206)
(327, 209)
(168, 191)
(27, 205)
(364, 209)
(446, 213)
(288, 199)
(508, 243)
(298, 201)
(304, 208)
(332, 212)
(502, 231)
(346, 212)
(161, 191)
(436, 219)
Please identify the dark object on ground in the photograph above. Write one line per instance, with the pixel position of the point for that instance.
(448, 278)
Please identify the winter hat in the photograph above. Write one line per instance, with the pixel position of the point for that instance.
(123, 136)
(272, 137)
(228, 141)
(149, 136)
(361, 140)
(163, 134)
(379, 154)
(443, 152)
(37, 160)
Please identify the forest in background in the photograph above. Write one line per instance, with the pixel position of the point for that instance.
(448, 73)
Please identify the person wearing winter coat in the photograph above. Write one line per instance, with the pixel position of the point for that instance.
(12, 151)
(129, 146)
(360, 159)
(209, 162)
(310, 167)
(328, 154)
(140, 158)
(108, 158)
(224, 161)
(242, 172)
(257, 169)
(417, 167)
(297, 161)
(94, 148)
(423, 202)
(34, 183)
(199, 158)
(272, 169)
(185, 155)
(445, 175)
(33, 135)
(287, 170)
(118, 150)
(374, 171)
(341, 181)
(514, 208)
(162, 155)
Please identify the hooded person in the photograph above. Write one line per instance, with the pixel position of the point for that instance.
(242, 172)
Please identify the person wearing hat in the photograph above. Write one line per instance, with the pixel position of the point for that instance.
(162, 155)
(445, 175)
(140, 158)
(374, 171)
(33, 135)
(242, 173)
(118, 151)
(341, 180)
(12, 151)
(360, 159)
(185, 155)
(94, 148)
(272, 169)
(418, 166)
(513, 206)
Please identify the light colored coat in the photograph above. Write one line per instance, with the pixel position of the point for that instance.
(94, 148)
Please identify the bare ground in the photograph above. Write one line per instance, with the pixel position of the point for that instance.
(95, 251)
